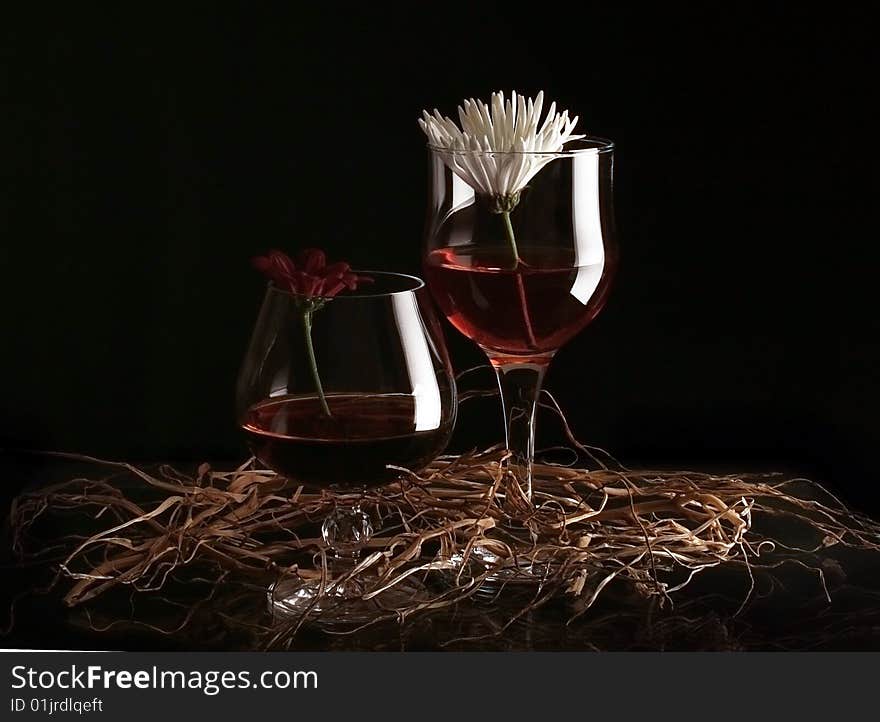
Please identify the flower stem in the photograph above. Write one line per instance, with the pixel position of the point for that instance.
(313, 362)
(511, 237)
(520, 286)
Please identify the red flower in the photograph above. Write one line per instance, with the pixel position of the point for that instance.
(309, 275)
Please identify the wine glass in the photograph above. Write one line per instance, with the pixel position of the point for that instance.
(522, 275)
(333, 393)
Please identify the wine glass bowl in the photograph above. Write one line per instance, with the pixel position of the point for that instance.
(366, 435)
(379, 358)
(340, 393)
(530, 311)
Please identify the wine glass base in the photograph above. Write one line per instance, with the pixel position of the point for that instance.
(498, 573)
(340, 605)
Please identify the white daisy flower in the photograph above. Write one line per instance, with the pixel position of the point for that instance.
(501, 146)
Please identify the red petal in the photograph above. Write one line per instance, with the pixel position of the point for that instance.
(310, 276)
(310, 286)
(261, 263)
(282, 262)
(297, 281)
(273, 268)
(336, 269)
(312, 260)
(351, 280)
(331, 291)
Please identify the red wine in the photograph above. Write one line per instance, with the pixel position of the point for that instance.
(365, 433)
(528, 310)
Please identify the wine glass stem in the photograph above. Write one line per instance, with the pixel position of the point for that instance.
(520, 385)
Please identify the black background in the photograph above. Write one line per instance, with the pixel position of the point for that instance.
(147, 156)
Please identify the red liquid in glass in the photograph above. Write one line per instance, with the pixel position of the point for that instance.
(292, 436)
(530, 310)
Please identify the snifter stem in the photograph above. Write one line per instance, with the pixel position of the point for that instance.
(345, 531)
